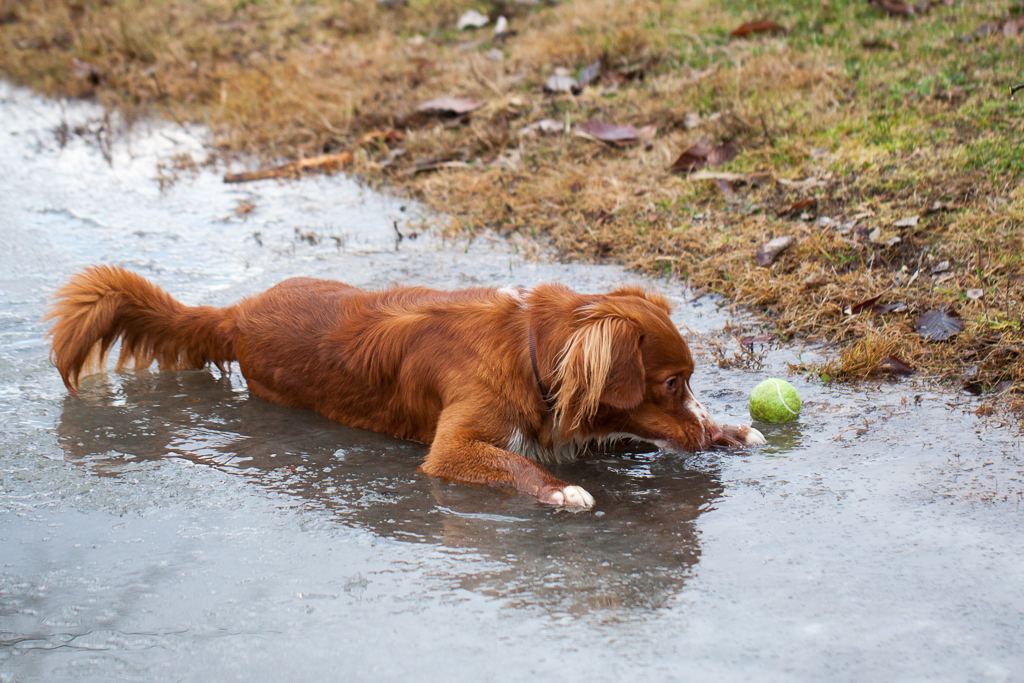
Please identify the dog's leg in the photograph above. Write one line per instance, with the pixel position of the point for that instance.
(460, 454)
(739, 436)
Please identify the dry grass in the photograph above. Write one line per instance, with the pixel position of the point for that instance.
(885, 115)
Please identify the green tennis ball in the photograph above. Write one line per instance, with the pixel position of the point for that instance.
(774, 400)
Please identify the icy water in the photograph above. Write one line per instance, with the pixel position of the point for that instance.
(169, 527)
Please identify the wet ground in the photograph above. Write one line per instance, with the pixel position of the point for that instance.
(166, 527)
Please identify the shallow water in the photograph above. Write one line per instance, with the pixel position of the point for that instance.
(170, 527)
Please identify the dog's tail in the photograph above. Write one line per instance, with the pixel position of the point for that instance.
(103, 303)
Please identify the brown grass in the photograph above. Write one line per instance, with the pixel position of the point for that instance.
(882, 133)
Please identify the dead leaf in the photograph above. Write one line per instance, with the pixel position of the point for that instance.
(691, 120)
(450, 106)
(908, 222)
(589, 74)
(940, 267)
(866, 303)
(547, 126)
(936, 207)
(702, 155)
(472, 19)
(936, 325)
(325, 163)
(975, 294)
(647, 133)
(500, 27)
(609, 132)
(815, 281)
(882, 309)
(895, 365)
(768, 252)
(765, 26)
(561, 83)
(799, 206)
(1013, 26)
(750, 340)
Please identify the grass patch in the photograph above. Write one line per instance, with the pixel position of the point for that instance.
(875, 118)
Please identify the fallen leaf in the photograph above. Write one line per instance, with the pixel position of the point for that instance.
(548, 126)
(702, 155)
(895, 365)
(561, 83)
(861, 305)
(750, 340)
(799, 206)
(500, 26)
(882, 309)
(450, 106)
(1013, 26)
(589, 74)
(769, 251)
(975, 294)
(815, 281)
(908, 222)
(325, 162)
(936, 207)
(765, 26)
(940, 267)
(608, 132)
(936, 325)
(472, 19)
(691, 120)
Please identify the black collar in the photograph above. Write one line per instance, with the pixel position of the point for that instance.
(545, 392)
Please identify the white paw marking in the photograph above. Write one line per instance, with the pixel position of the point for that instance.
(754, 437)
(574, 496)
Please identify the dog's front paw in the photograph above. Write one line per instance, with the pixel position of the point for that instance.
(570, 496)
(739, 436)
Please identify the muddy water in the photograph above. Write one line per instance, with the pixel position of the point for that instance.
(166, 527)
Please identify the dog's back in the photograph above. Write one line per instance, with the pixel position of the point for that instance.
(386, 360)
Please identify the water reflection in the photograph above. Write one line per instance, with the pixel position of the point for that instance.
(634, 552)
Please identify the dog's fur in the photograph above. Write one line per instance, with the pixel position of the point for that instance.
(451, 369)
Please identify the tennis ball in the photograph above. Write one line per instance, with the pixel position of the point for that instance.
(774, 400)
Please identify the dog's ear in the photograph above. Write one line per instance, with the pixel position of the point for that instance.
(600, 363)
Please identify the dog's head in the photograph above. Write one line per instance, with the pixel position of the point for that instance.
(624, 369)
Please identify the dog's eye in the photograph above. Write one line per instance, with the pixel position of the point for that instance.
(671, 383)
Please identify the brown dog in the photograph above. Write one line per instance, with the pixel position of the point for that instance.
(496, 380)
